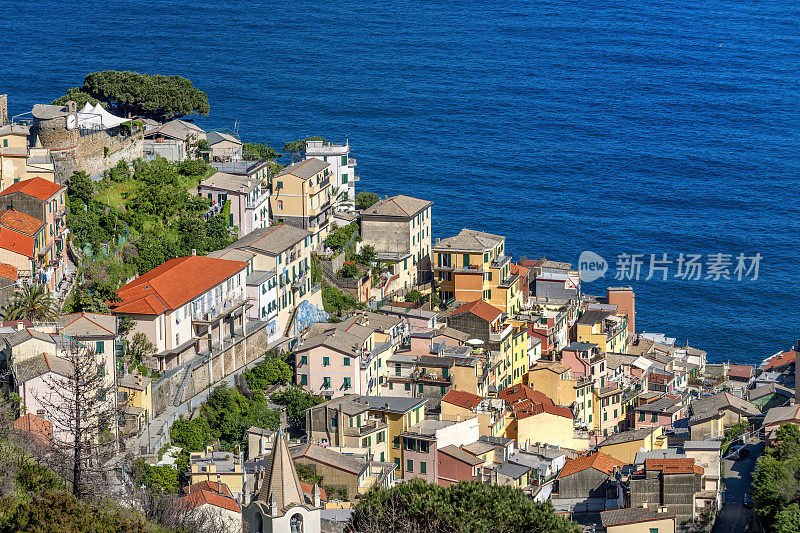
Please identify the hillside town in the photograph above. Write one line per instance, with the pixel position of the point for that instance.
(325, 344)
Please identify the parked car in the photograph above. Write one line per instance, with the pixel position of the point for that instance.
(738, 451)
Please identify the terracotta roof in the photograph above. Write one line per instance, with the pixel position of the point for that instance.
(8, 271)
(21, 222)
(526, 408)
(304, 169)
(37, 187)
(673, 466)
(203, 497)
(85, 324)
(783, 359)
(519, 270)
(479, 308)
(740, 371)
(523, 392)
(464, 399)
(211, 486)
(39, 428)
(173, 284)
(17, 242)
(598, 461)
(308, 489)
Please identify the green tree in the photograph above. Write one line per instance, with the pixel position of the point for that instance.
(268, 373)
(776, 480)
(140, 348)
(191, 435)
(296, 401)
(788, 519)
(80, 187)
(365, 200)
(259, 152)
(163, 479)
(153, 96)
(468, 507)
(335, 301)
(79, 96)
(297, 149)
(31, 303)
(414, 296)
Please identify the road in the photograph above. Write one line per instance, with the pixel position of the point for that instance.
(738, 474)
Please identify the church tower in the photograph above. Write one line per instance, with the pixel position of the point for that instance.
(281, 506)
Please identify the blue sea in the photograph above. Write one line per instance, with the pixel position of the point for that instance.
(651, 127)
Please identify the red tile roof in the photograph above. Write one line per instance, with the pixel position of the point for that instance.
(37, 187)
(598, 461)
(673, 466)
(786, 358)
(173, 284)
(202, 497)
(479, 308)
(40, 429)
(308, 488)
(8, 271)
(16, 242)
(21, 222)
(522, 392)
(464, 399)
(740, 371)
(658, 378)
(517, 269)
(526, 408)
(211, 486)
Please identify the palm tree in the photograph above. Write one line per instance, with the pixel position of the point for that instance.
(31, 303)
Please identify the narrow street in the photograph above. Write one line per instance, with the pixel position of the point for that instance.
(734, 517)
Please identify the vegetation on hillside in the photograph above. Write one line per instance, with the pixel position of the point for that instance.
(776, 483)
(365, 200)
(136, 218)
(132, 94)
(297, 149)
(466, 507)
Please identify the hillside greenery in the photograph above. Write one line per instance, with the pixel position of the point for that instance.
(467, 507)
(776, 483)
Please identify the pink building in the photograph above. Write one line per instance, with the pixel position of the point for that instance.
(663, 412)
(41, 382)
(455, 464)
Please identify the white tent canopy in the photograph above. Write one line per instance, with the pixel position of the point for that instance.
(95, 117)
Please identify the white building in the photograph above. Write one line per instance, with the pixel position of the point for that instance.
(343, 168)
(262, 291)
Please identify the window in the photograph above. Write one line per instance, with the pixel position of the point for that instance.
(397, 462)
(382, 457)
(279, 185)
(409, 465)
(304, 360)
(280, 204)
(303, 379)
(346, 383)
(615, 413)
(466, 260)
(408, 386)
(344, 178)
(396, 444)
(326, 383)
(605, 416)
(334, 422)
(99, 347)
(379, 437)
(420, 388)
(654, 418)
(346, 361)
(641, 417)
(326, 361)
(485, 257)
(653, 530)
(423, 467)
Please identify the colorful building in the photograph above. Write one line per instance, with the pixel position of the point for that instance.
(301, 196)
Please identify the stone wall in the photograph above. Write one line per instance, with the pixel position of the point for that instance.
(3, 109)
(245, 351)
(98, 152)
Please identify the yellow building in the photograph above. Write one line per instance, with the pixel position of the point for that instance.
(624, 446)
(492, 415)
(519, 351)
(17, 161)
(301, 196)
(553, 379)
(549, 424)
(137, 400)
(472, 266)
(222, 467)
(607, 330)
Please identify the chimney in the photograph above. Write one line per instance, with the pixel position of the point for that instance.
(219, 483)
(194, 251)
(316, 493)
(19, 325)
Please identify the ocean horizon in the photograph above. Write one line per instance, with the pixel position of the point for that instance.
(660, 128)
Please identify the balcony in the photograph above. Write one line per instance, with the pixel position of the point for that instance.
(263, 197)
(501, 261)
(221, 310)
(469, 269)
(500, 334)
(366, 428)
(351, 162)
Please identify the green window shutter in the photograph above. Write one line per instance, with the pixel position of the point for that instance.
(344, 178)
(466, 260)
(230, 219)
(303, 379)
(423, 467)
(99, 347)
(346, 361)
(326, 361)
(409, 465)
